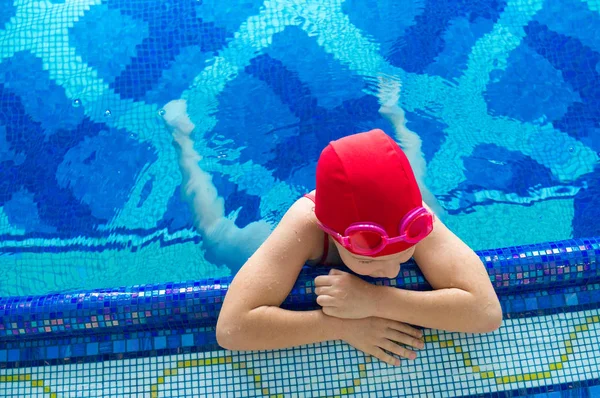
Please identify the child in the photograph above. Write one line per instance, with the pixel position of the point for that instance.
(367, 213)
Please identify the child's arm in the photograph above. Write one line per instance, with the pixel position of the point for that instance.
(251, 319)
(463, 300)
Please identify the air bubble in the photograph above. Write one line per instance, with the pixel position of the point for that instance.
(76, 103)
(107, 113)
(571, 149)
(162, 112)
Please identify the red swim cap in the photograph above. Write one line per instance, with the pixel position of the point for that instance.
(366, 177)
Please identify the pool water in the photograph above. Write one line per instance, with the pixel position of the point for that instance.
(91, 194)
(502, 98)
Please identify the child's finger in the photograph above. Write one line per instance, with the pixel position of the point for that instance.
(384, 356)
(321, 290)
(398, 350)
(335, 271)
(323, 280)
(325, 301)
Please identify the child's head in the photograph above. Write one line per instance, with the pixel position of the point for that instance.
(368, 200)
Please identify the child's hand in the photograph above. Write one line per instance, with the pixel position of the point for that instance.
(344, 295)
(374, 335)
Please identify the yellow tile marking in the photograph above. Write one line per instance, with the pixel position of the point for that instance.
(34, 383)
(344, 391)
(539, 375)
(210, 362)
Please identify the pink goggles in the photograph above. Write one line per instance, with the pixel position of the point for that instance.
(368, 239)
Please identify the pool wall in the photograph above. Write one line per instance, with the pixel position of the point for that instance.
(159, 340)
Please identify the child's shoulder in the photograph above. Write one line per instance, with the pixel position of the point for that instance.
(301, 215)
(303, 208)
(300, 223)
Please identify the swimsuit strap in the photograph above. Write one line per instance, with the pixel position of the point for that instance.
(311, 196)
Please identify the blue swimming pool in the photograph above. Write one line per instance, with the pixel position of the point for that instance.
(106, 273)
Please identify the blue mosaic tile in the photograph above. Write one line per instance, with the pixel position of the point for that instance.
(571, 299)
(79, 349)
(594, 391)
(25, 354)
(531, 304)
(92, 349)
(110, 55)
(569, 55)
(424, 40)
(105, 347)
(497, 168)
(587, 208)
(421, 123)
(228, 15)
(133, 345)
(146, 344)
(558, 300)
(271, 118)
(248, 206)
(320, 85)
(177, 215)
(7, 11)
(518, 305)
(120, 157)
(548, 96)
(54, 202)
(172, 26)
(580, 24)
(52, 352)
(6, 154)
(584, 298)
(200, 339)
(160, 343)
(24, 76)
(13, 355)
(119, 346)
(187, 340)
(305, 147)
(383, 19)
(460, 36)
(21, 211)
(173, 341)
(176, 79)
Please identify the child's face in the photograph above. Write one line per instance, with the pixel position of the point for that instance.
(376, 267)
